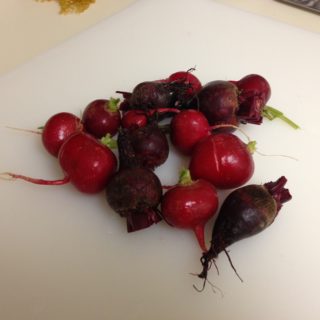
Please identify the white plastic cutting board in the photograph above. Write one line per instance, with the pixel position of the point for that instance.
(67, 256)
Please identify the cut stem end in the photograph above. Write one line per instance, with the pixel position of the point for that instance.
(273, 113)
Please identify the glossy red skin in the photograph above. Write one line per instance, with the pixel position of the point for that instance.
(188, 78)
(190, 206)
(253, 93)
(134, 119)
(186, 206)
(253, 85)
(99, 120)
(57, 129)
(87, 162)
(187, 128)
(223, 159)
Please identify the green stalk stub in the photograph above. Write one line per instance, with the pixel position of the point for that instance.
(113, 104)
(272, 113)
(109, 142)
(252, 146)
(185, 177)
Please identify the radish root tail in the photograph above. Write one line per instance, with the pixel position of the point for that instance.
(6, 176)
(214, 288)
(232, 266)
(12, 176)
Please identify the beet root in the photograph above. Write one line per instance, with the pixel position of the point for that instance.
(174, 92)
(218, 101)
(142, 147)
(135, 193)
(245, 212)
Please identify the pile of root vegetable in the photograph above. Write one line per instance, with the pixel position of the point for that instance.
(200, 122)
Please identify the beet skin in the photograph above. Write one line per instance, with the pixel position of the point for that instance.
(245, 212)
(142, 147)
(135, 193)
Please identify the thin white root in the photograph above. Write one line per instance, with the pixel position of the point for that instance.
(6, 176)
(276, 155)
(24, 130)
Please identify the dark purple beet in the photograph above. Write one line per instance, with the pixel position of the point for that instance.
(135, 193)
(157, 95)
(144, 147)
(245, 212)
(218, 101)
(150, 95)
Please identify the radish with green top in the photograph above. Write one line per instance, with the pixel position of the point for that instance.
(57, 129)
(87, 163)
(101, 117)
(223, 159)
(254, 92)
(190, 205)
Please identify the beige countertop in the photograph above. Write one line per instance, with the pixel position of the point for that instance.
(28, 28)
(279, 11)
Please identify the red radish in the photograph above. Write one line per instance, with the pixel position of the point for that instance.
(101, 117)
(139, 118)
(218, 101)
(253, 85)
(189, 79)
(245, 212)
(133, 119)
(57, 129)
(135, 193)
(187, 128)
(254, 93)
(86, 162)
(189, 205)
(223, 159)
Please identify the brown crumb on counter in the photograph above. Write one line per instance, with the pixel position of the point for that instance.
(72, 6)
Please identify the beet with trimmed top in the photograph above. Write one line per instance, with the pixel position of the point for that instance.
(245, 212)
(143, 146)
(218, 101)
(134, 193)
